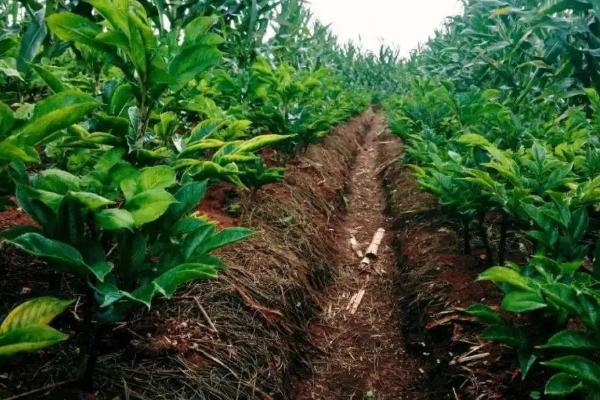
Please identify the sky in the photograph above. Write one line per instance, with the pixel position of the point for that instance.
(401, 24)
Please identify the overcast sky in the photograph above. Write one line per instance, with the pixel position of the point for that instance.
(401, 24)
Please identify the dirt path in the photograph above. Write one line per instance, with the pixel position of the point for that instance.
(363, 355)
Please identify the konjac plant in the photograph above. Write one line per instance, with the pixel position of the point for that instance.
(500, 116)
(117, 116)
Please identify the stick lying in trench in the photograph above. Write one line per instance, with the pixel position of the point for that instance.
(373, 248)
(375, 243)
(355, 301)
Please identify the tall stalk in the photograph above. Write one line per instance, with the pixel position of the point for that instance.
(484, 238)
(466, 237)
(503, 233)
(89, 344)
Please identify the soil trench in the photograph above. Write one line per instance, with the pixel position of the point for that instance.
(363, 355)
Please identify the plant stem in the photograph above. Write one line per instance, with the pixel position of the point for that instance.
(484, 238)
(466, 236)
(89, 345)
(502, 244)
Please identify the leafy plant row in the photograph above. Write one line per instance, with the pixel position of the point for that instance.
(501, 124)
(115, 118)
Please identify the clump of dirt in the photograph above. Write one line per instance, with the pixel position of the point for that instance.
(438, 283)
(244, 335)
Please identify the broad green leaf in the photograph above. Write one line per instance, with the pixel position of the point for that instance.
(505, 334)
(580, 224)
(168, 282)
(148, 206)
(72, 27)
(195, 239)
(558, 177)
(485, 314)
(523, 301)
(190, 62)
(187, 199)
(63, 257)
(562, 5)
(561, 295)
(52, 81)
(198, 27)
(209, 169)
(90, 200)
(101, 269)
(205, 144)
(40, 246)
(108, 293)
(262, 141)
(122, 95)
(527, 360)
(27, 198)
(505, 275)
(57, 181)
(115, 12)
(118, 126)
(133, 252)
(12, 152)
(129, 187)
(574, 340)
(38, 311)
(473, 139)
(569, 268)
(114, 219)
(562, 385)
(30, 339)
(50, 199)
(8, 69)
(580, 367)
(32, 40)
(7, 119)
(107, 161)
(55, 113)
(159, 177)
(137, 48)
(223, 238)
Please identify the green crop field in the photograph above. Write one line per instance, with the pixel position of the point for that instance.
(189, 192)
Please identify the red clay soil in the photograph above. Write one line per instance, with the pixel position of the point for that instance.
(363, 356)
(214, 204)
(14, 216)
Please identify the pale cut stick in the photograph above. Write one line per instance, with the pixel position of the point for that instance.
(375, 243)
(357, 301)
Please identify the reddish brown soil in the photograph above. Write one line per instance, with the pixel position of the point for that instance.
(14, 216)
(214, 203)
(362, 355)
